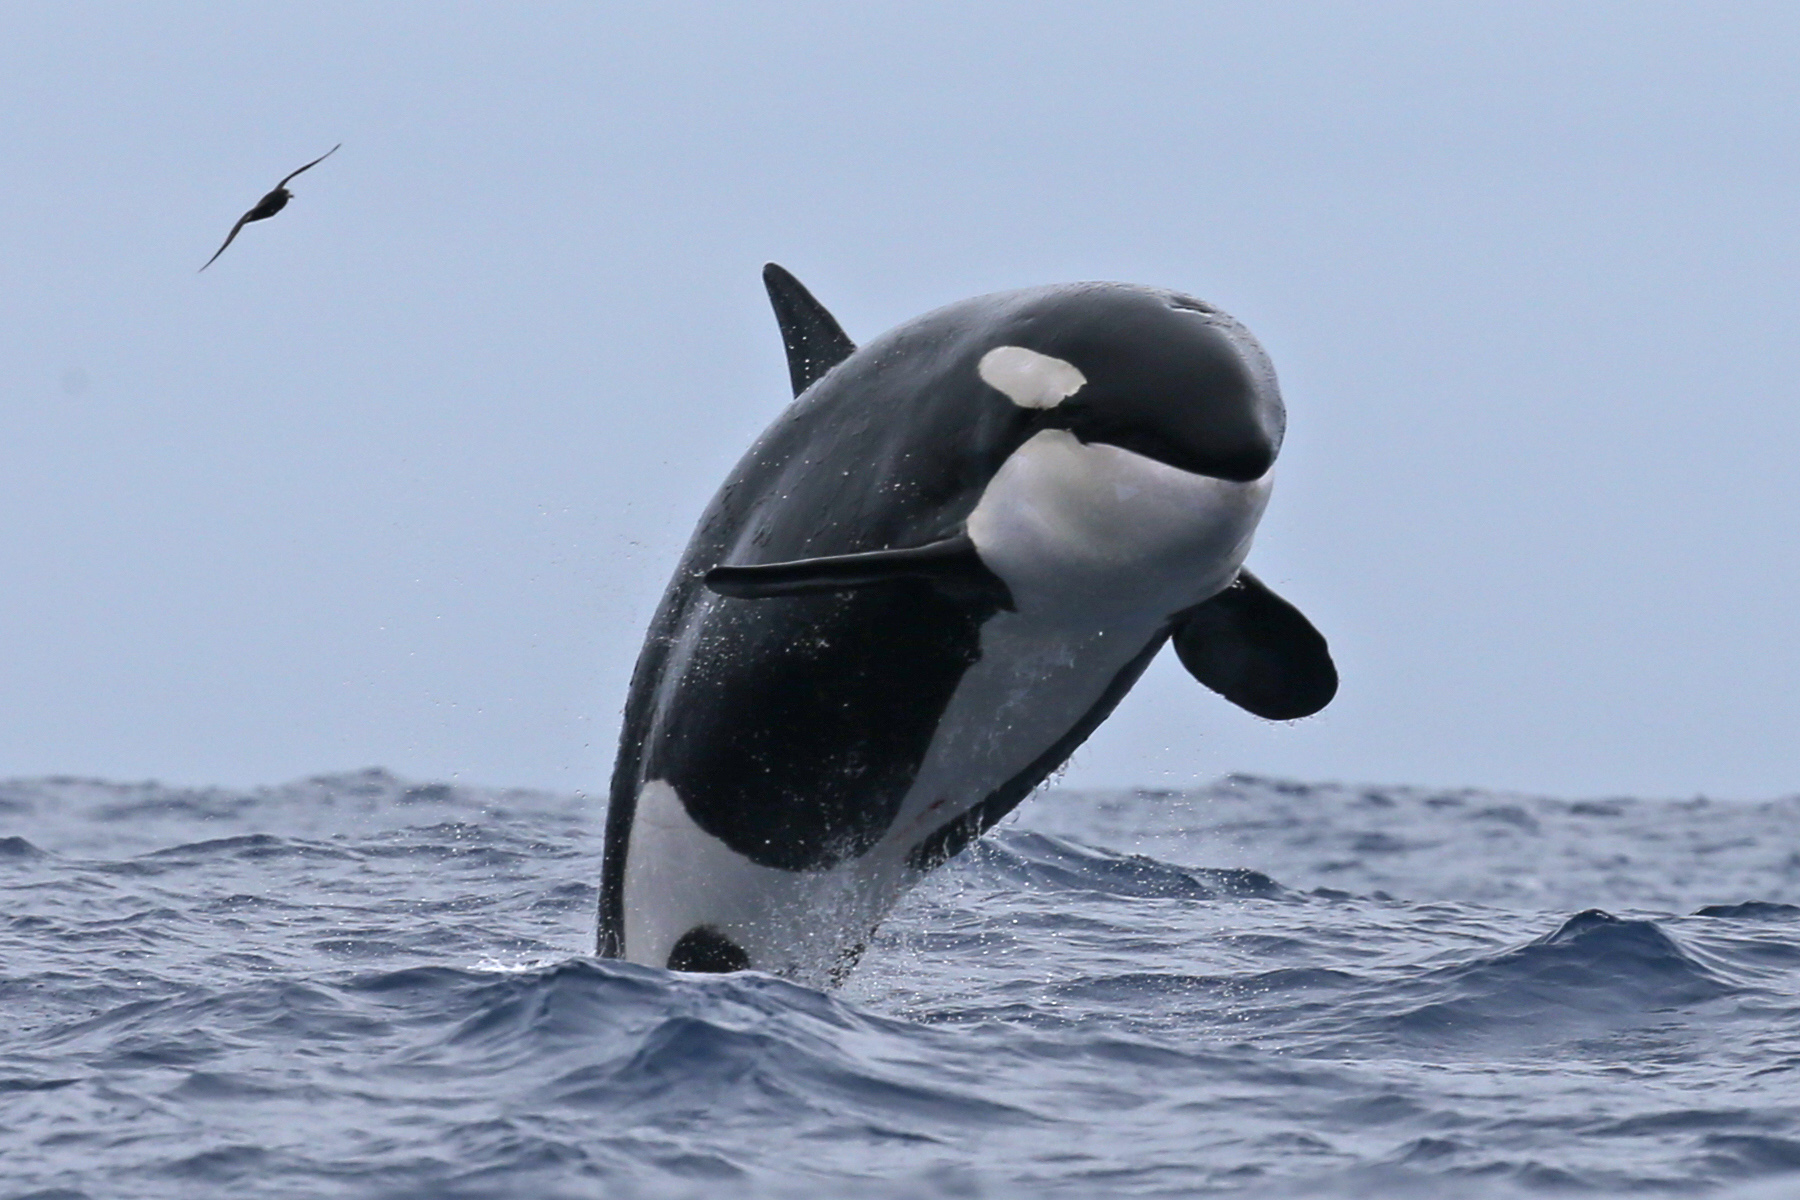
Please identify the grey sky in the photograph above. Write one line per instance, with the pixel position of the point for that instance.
(400, 478)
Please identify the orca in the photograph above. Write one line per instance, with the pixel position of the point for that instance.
(923, 587)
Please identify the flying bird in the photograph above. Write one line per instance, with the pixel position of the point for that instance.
(270, 204)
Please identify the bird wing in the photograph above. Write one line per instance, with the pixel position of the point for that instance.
(228, 237)
(309, 166)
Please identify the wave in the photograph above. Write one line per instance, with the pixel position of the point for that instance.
(358, 986)
(644, 1073)
(1039, 860)
(1594, 969)
(1751, 910)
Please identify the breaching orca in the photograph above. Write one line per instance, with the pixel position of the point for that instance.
(924, 586)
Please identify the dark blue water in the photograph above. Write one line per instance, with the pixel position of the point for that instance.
(353, 987)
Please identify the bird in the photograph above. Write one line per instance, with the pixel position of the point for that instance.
(270, 204)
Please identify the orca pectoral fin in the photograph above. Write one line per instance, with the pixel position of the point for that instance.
(814, 340)
(951, 565)
(1256, 650)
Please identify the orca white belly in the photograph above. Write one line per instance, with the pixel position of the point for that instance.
(1099, 547)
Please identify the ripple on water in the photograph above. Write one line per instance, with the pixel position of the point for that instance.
(356, 985)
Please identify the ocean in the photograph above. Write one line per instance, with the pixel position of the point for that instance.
(360, 986)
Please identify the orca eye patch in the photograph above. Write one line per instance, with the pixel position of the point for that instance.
(1029, 379)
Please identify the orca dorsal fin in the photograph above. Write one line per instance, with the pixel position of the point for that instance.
(814, 340)
(950, 564)
(1256, 650)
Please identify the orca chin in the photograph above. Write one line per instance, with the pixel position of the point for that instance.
(1244, 466)
(1246, 461)
(933, 576)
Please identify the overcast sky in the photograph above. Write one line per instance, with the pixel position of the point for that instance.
(399, 480)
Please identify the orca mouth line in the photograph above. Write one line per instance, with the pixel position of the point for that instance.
(1244, 466)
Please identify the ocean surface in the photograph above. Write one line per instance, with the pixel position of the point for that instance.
(357, 986)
